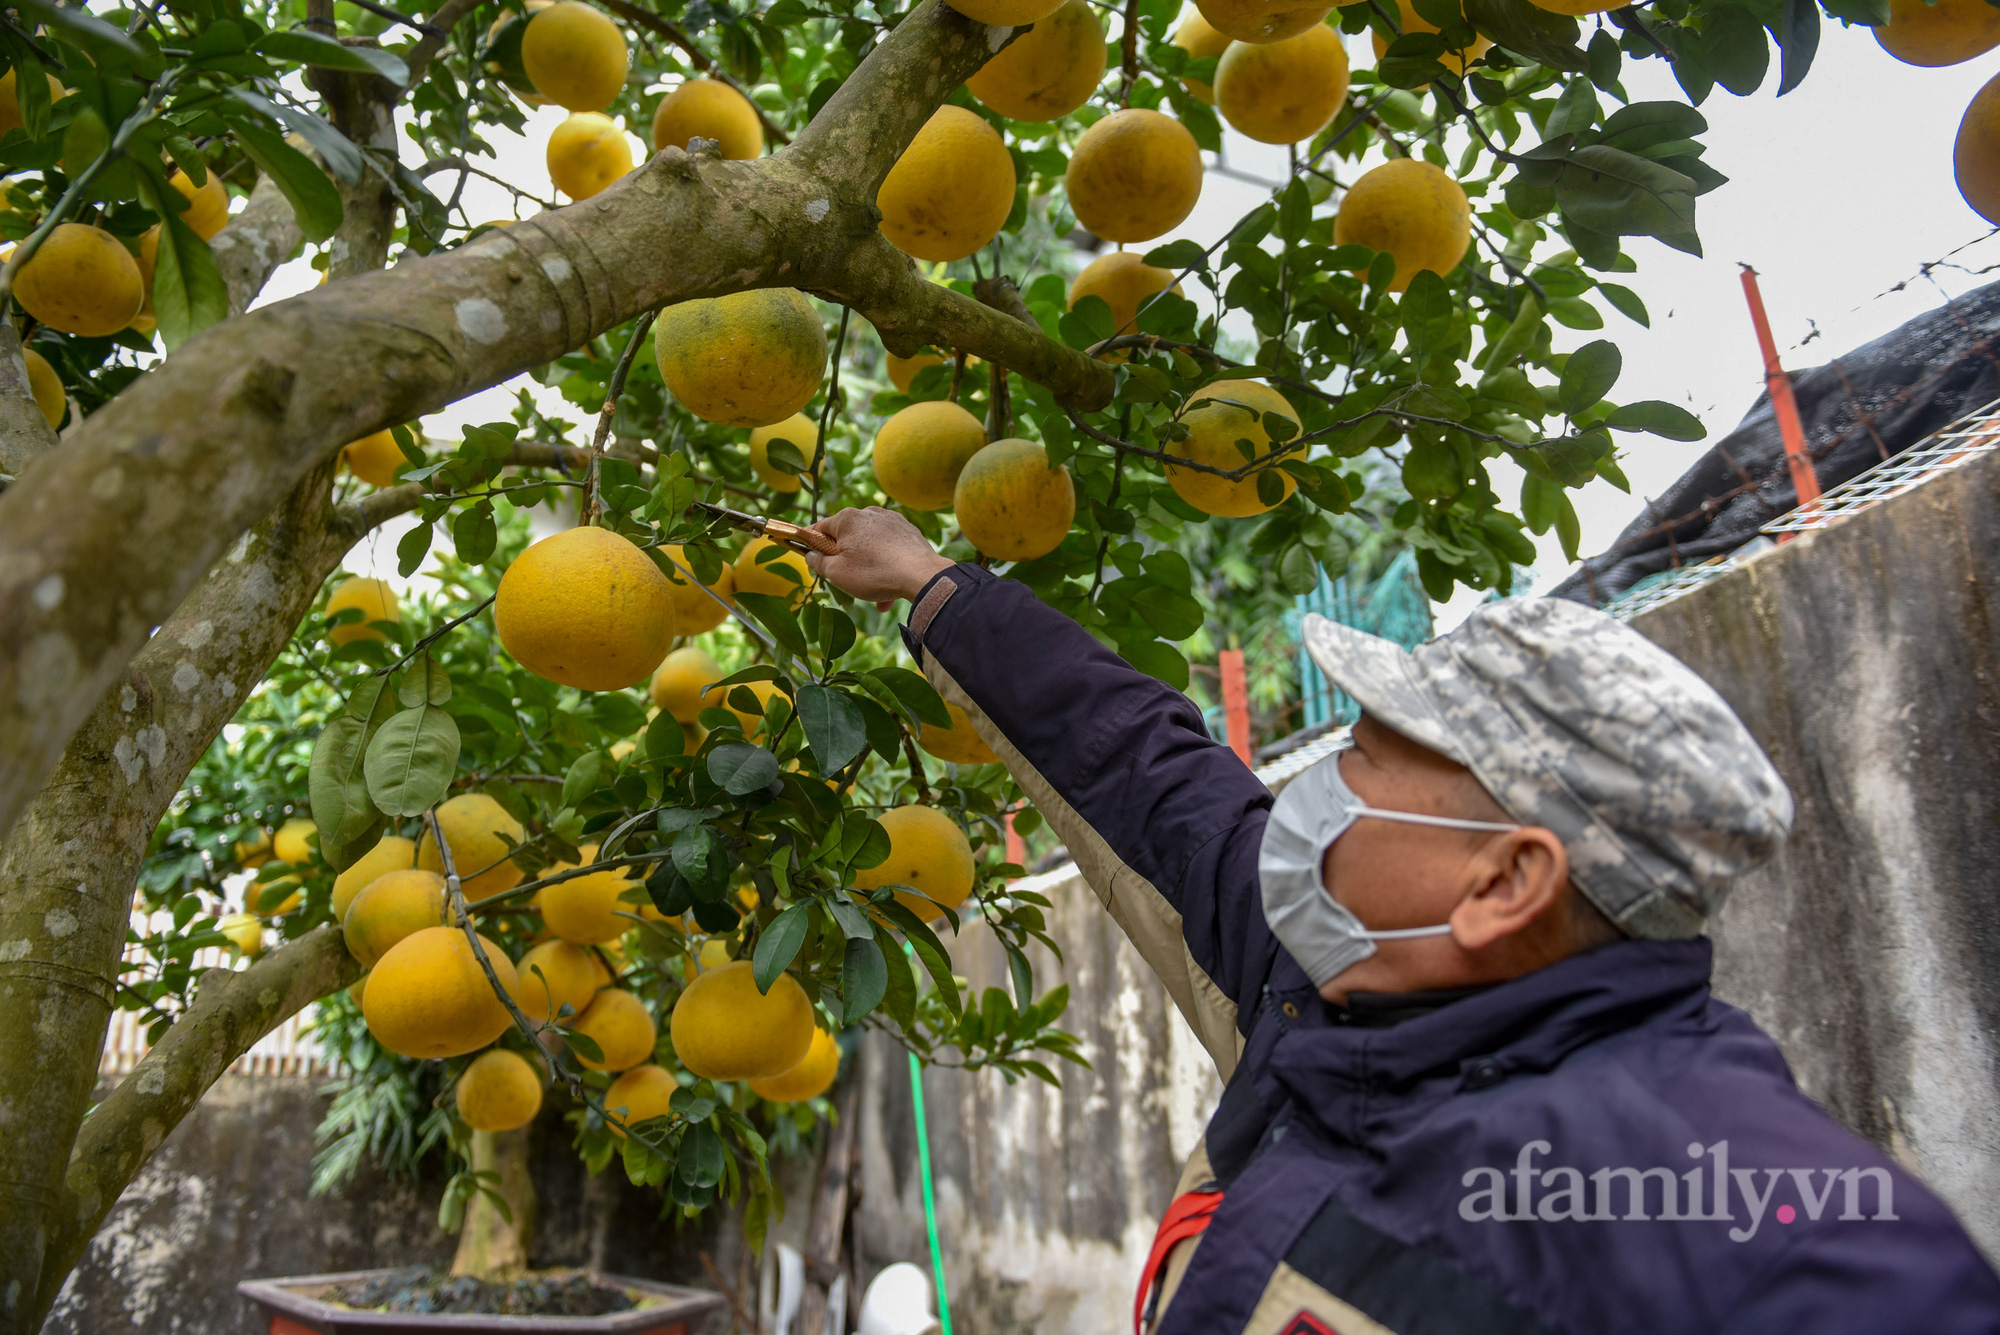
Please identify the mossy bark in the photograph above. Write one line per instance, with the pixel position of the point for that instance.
(492, 1246)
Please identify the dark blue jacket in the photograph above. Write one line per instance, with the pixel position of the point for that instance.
(1469, 1169)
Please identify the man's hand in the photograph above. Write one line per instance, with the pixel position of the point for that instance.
(882, 555)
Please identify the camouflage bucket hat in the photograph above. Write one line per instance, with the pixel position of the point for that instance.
(1581, 725)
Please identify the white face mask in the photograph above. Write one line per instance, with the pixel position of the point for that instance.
(1322, 934)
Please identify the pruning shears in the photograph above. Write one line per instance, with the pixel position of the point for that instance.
(794, 536)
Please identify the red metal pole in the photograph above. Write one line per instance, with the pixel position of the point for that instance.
(1804, 480)
(1017, 849)
(1235, 703)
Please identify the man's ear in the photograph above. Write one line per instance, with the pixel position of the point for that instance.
(1519, 880)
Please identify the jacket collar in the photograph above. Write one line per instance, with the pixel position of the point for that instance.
(1525, 1025)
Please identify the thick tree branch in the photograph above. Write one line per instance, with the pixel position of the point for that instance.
(419, 57)
(25, 435)
(261, 236)
(231, 1011)
(156, 484)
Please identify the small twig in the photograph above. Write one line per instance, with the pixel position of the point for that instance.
(459, 164)
(813, 469)
(594, 503)
(722, 1286)
(432, 638)
(435, 35)
(916, 764)
(1129, 48)
(420, 25)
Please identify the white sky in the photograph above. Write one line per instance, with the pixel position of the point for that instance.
(1838, 191)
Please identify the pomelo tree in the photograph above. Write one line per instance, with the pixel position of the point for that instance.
(665, 911)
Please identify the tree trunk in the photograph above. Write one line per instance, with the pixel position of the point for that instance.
(157, 484)
(491, 1247)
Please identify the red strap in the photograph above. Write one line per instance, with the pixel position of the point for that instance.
(1187, 1217)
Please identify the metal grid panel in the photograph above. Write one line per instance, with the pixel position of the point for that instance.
(1974, 434)
(1667, 586)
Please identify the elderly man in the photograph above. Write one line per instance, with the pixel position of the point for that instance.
(1456, 981)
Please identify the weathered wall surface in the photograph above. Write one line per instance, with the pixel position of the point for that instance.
(225, 1199)
(1866, 658)
(1047, 1199)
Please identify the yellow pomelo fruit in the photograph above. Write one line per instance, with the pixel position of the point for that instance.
(678, 685)
(1975, 156)
(474, 826)
(585, 910)
(359, 990)
(755, 576)
(47, 386)
(695, 611)
(585, 608)
(1011, 505)
(575, 56)
(377, 602)
(586, 153)
(1945, 33)
(750, 359)
(622, 1027)
(507, 16)
(1411, 21)
(208, 204)
(1217, 416)
(903, 370)
(428, 997)
(639, 1095)
(812, 1077)
(1049, 71)
(1576, 7)
(1198, 37)
(709, 109)
(764, 691)
(291, 842)
(254, 852)
(392, 852)
(81, 281)
(1134, 175)
(244, 931)
(960, 743)
(920, 452)
(10, 101)
(1007, 13)
(1412, 210)
(500, 1091)
(569, 977)
(803, 435)
(1261, 20)
(1124, 282)
(951, 191)
(712, 955)
(389, 908)
(724, 1029)
(374, 459)
(929, 853)
(1283, 92)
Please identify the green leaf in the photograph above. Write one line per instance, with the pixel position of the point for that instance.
(833, 724)
(701, 1157)
(335, 149)
(1658, 417)
(1575, 111)
(928, 949)
(741, 768)
(94, 32)
(411, 549)
(188, 291)
(1641, 125)
(779, 944)
(899, 998)
(1589, 374)
(853, 922)
(411, 760)
(664, 737)
(1178, 255)
(1430, 470)
(1297, 571)
(1622, 194)
(775, 615)
(1158, 660)
(581, 779)
(336, 782)
(315, 199)
(914, 693)
(1548, 39)
(1626, 302)
(1734, 48)
(474, 534)
(864, 978)
(1426, 311)
(313, 48)
(1798, 42)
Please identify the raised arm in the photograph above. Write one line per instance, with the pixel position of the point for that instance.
(1163, 822)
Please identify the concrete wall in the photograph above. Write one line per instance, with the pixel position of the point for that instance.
(1047, 1200)
(225, 1199)
(1866, 658)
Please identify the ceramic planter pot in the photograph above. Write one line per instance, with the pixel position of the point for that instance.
(295, 1306)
